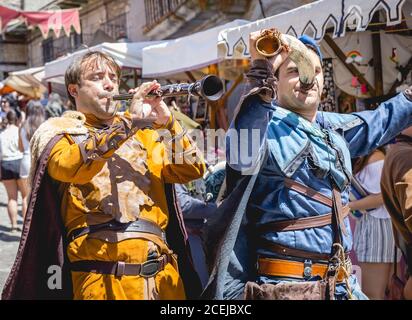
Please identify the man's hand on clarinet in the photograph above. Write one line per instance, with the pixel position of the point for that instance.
(143, 107)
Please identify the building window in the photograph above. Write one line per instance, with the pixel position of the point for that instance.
(54, 48)
(116, 27)
(48, 50)
(158, 10)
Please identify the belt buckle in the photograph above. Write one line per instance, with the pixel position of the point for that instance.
(150, 268)
(120, 268)
(307, 269)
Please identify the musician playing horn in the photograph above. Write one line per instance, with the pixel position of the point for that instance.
(293, 232)
(102, 205)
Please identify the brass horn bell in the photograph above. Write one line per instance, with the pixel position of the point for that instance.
(269, 44)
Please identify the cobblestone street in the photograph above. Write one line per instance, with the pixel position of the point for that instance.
(8, 241)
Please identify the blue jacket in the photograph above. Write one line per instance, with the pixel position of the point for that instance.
(297, 150)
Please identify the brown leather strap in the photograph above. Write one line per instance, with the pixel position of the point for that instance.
(140, 225)
(340, 211)
(292, 252)
(99, 142)
(119, 268)
(307, 191)
(301, 223)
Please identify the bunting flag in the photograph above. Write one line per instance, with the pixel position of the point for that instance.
(46, 20)
(6, 15)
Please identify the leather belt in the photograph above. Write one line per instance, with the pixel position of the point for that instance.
(299, 224)
(140, 225)
(295, 269)
(288, 251)
(146, 269)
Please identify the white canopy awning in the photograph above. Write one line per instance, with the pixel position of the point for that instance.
(127, 55)
(188, 53)
(37, 72)
(28, 81)
(312, 19)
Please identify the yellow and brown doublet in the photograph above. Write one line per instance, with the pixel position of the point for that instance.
(111, 181)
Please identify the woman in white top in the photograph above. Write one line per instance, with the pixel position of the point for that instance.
(10, 168)
(373, 238)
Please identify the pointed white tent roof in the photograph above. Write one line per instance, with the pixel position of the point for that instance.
(312, 19)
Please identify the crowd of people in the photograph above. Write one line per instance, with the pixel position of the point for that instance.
(118, 208)
(20, 117)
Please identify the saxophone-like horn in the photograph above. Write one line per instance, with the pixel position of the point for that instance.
(272, 42)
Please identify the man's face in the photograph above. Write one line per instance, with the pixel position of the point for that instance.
(290, 95)
(98, 82)
(5, 105)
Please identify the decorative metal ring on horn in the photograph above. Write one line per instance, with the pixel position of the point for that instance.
(269, 43)
(272, 41)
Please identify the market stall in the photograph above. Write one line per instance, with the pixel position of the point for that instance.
(367, 45)
(190, 58)
(190, 53)
(27, 82)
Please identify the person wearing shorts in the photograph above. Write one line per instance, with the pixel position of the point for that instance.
(10, 168)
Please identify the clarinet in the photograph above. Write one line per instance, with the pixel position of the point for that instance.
(209, 87)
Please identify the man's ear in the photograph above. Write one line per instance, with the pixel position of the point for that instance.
(73, 89)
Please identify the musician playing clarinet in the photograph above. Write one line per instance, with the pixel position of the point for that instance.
(102, 222)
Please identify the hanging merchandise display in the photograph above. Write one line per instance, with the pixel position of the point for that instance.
(347, 103)
(405, 79)
(364, 88)
(353, 56)
(396, 60)
(357, 58)
(355, 82)
(394, 56)
(329, 90)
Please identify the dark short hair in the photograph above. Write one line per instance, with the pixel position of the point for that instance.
(11, 100)
(11, 117)
(75, 69)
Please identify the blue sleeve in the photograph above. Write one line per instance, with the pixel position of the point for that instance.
(193, 208)
(365, 131)
(246, 134)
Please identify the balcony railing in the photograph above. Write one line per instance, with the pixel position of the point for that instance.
(116, 27)
(54, 48)
(159, 10)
